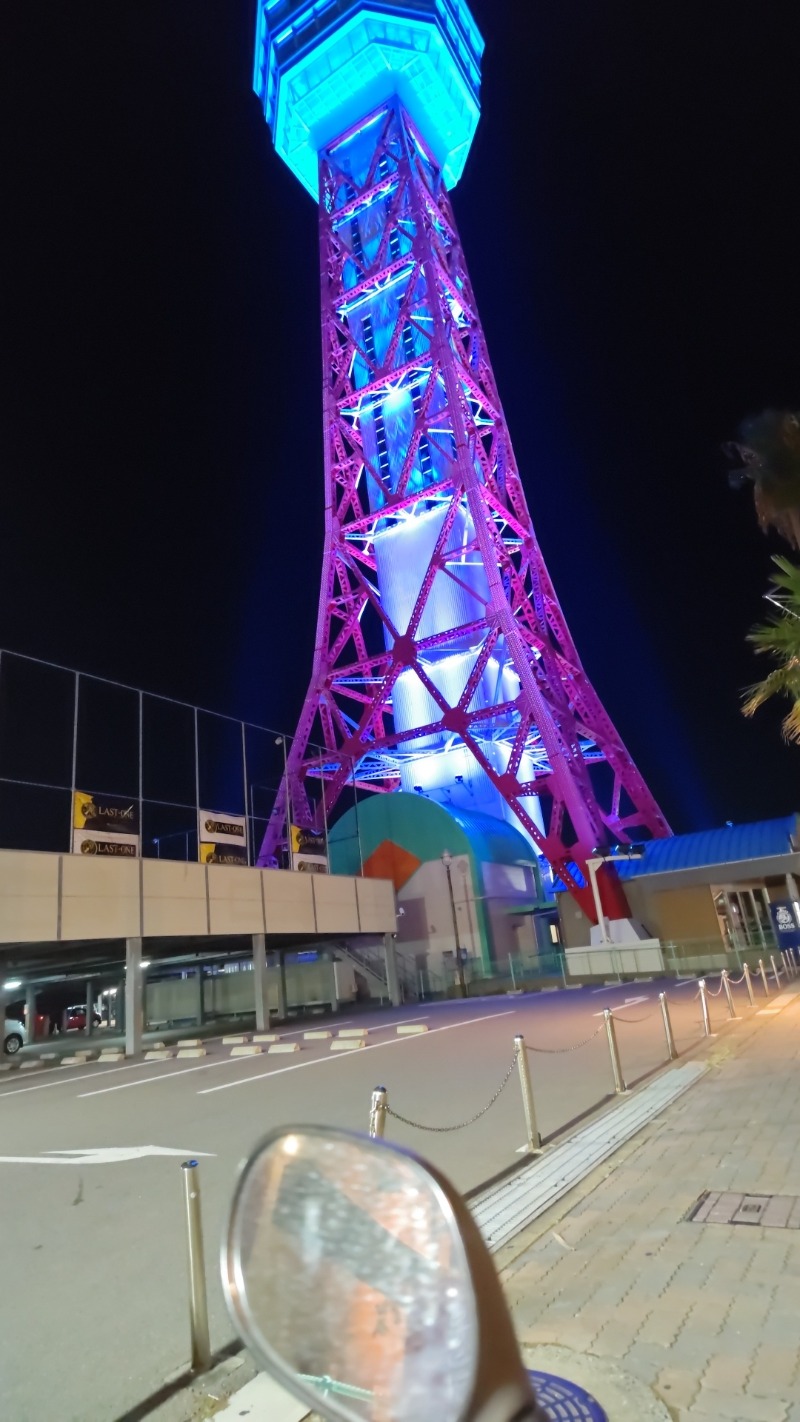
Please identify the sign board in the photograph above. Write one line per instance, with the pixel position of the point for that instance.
(105, 825)
(308, 851)
(786, 922)
(222, 839)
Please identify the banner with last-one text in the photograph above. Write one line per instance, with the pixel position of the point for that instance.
(222, 839)
(105, 825)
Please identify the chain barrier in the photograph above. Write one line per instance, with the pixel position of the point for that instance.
(632, 1021)
(557, 1051)
(438, 1130)
(710, 991)
(734, 982)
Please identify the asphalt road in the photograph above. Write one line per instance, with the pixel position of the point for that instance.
(93, 1254)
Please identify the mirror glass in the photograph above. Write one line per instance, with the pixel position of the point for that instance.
(346, 1274)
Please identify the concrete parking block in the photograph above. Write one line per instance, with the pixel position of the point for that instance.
(192, 1052)
(104, 1057)
(249, 1050)
(316, 1036)
(33, 1062)
(283, 1047)
(353, 1032)
(347, 1044)
(412, 1029)
(163, 1055)
(266, 1036)
(236, 1041)
(189, 1042)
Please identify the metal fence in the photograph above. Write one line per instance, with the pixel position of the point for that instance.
(64, 731)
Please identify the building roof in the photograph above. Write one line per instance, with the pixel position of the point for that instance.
(732, 844)
(493, 841)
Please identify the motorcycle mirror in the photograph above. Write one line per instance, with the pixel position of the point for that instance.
(357, 1277)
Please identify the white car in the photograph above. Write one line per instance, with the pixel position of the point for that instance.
(15, 1036)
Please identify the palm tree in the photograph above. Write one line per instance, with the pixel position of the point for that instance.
(769, 449)
(779, 639)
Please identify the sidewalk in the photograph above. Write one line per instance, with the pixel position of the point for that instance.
(615, 1284)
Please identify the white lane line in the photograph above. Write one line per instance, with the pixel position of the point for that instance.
(372, 1047)
(70, 1080)
(235, 1061)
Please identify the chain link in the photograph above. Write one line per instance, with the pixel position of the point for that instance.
(419, 1125)
(632, 1021)
(556, 1051)
(710, 992)
(734, 982)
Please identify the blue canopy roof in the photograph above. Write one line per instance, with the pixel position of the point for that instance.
(733, 844)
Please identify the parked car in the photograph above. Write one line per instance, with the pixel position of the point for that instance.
(76, 1018)
(14, 1036)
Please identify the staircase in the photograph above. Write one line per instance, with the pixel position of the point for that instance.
(370, 962)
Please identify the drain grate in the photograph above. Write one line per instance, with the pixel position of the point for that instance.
(564, 1401)
(724, 1207)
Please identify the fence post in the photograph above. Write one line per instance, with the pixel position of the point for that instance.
(198, 1299)
(671, 1050)
(763, 973)
(534, 1141)
(616, 1067)
(748, 985)
(728, 993)
(775, 970)
(704, 1007)
(377, 1112)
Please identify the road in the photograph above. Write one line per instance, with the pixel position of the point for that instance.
(93, 1254)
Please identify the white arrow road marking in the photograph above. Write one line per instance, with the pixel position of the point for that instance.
(629, 1002)
(98, 1155)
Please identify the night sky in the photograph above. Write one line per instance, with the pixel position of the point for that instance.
(630, 216)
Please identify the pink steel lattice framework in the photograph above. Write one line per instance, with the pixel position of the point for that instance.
(439, 629)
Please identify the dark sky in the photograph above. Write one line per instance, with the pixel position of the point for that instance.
(630, 215)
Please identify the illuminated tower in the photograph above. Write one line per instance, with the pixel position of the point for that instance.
(442, 662)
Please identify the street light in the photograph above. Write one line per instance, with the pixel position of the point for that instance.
(447, 860)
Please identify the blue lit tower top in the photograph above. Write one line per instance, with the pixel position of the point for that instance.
(321, 65)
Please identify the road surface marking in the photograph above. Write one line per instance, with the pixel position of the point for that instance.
(98, 1155)
(63, 1080)
(372, 1047)
(237, 1061)
(620, 1007)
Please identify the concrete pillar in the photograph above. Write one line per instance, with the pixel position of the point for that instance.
(283, 1012)
(261, 981)
(30, 1012)
(134, 997)
(89, 1007)
(390, 959)
(199, 1014)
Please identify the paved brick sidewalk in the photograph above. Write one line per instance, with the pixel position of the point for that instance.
(708, 1316)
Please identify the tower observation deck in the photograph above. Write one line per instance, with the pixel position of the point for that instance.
(443, 663)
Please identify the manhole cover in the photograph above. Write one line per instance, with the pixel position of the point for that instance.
(562, 1399)
(725, 1207)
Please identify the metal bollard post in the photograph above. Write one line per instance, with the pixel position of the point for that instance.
(616, 1067)
(775, 970)
(377, 1112)
(704, 1007)
(788, 962)
(728, 993)
(748, 985)
(198, 1299)
(763, 973)
(671, 1050)
(534, 1139)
